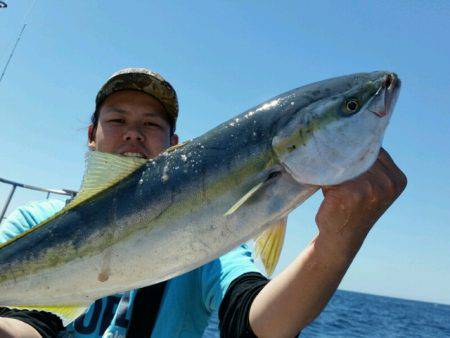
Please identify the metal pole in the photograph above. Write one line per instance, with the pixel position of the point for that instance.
(66, 192)
(11, 193)
(27, 186)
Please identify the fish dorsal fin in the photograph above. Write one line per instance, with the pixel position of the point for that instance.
(269, 243)
(244, 199)
(102, 171)
(176, 146)
(67, 313)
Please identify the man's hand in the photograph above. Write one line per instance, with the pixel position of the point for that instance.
(349, 210)
(298, 294)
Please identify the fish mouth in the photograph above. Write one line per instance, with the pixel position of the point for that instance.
(379, 113)
(384, 99)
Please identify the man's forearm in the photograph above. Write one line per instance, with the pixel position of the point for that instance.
(298, 294)
(348, 212)
(13, 328)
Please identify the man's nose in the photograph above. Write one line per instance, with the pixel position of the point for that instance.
(133, 134)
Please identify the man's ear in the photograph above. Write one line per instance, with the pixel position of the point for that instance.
(91, 137)
(174, 140)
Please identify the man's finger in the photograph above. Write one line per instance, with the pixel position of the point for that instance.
(397, 176)
(387, 160)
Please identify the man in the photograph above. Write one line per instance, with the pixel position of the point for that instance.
(135, 115)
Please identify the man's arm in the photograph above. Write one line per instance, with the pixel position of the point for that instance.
(13, 328)
(24, 323)
(349, 210)
(28, 323)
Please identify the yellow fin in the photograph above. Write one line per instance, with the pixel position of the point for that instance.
(239, 203)
(102, 171)
(269, 243)
(67, 313)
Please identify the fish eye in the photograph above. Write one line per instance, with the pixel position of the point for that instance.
(351, 106)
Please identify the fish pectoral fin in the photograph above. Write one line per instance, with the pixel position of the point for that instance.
(269, 243)
(250, 193)
(67, 313)
(244, 199)
(102, 171)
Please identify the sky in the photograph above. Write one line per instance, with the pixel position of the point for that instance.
(224, 57)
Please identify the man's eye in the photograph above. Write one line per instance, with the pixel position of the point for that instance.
(117, 121)
(151, 124)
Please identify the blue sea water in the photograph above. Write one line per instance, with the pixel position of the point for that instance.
(352, 314)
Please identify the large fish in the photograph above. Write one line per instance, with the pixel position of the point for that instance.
(137, 222)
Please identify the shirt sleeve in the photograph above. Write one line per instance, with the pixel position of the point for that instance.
(20, 220)
(27, 216)
(217, 276)
(235, 308)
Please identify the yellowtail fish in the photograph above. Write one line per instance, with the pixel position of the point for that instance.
(137, 222)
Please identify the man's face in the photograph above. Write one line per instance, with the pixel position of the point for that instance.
(132, 123)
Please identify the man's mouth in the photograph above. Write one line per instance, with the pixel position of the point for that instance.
(130, 154)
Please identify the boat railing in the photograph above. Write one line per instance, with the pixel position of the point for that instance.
(15, 185)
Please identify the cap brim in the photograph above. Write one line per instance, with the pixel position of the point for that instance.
(145, 81)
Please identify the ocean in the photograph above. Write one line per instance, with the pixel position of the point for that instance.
(352, 314)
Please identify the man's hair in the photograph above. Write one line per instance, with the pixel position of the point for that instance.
(94, 121)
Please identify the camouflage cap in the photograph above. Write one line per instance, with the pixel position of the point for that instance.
(144, 80)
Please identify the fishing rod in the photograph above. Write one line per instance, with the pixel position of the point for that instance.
(3, 5)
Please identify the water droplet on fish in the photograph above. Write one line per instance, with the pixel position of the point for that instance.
(184, 158)
(232, 124)
(292, 103)
(164, 177)
(141, 181)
